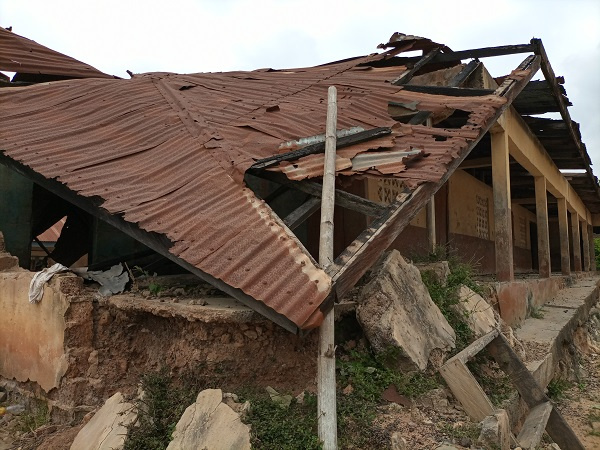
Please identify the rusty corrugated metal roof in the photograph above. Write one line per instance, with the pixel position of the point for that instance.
(168, 152)
(22, 55)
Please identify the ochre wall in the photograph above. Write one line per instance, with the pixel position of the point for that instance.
(32, 335)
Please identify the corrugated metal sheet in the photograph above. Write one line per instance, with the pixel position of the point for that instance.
(19, 54)
(169, 153)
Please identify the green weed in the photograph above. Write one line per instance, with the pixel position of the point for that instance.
(557, 389)
(369, 376)
(34, 416)
(274, 427)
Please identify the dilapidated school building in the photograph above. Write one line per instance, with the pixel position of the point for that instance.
(218, 174)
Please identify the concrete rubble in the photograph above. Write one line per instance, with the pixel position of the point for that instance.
(395, 297)
(107, 430)
(495, 431)
(210, 423)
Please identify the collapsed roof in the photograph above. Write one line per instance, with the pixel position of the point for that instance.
(163, 157)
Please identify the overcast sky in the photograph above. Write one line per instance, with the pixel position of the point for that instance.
(198, 36)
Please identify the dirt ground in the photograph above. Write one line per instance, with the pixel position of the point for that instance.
(426, 423)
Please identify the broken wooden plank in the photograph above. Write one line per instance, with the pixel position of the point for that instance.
(342, 198)
(319, 147)
(362, 253)
(532, 393)
(404, 78)
(303, 212)
(467, 390)
(475, 347)
(483, 52)
(534, 426)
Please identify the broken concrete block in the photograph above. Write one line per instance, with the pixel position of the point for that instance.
(107, 430)
(478, 313)
(396, 312)
(439, 269)
(210, 423)
(495, 431)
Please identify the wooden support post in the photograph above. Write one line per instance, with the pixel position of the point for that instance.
(576, 242)
(431, 224)
(563, 226)
(592, 248)
(326, 399)
(586, 246)
(541, 210)
(502, 207)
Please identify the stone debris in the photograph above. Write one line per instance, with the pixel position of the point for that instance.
(7, 261)
(396, 311)
(478, 313)
(280, 399)
(398, 442)
(210, 423)
(107, 429)
(495, 431)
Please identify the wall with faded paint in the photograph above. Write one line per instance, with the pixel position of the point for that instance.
(32, 335)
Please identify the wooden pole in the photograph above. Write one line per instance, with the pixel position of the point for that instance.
(326, 399)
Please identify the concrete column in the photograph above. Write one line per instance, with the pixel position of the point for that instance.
(563, 227)
(586, 246)
(431, 224)
(592, 248)
(576, 242)
(541, 209)
(502, 207)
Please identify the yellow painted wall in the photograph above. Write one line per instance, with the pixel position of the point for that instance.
(464, 193)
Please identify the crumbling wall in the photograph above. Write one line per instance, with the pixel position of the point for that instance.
(32, 335)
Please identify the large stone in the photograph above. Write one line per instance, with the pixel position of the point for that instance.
(396, 312)
(209, 423)
(107, 430)
(495, 431)
(478, 313)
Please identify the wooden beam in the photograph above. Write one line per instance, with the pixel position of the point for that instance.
(361, 254)
(326, 398)
(532, 393)
(342, 198)
(476, 163)
(447, 90)
(563, 227)
(303, 212)
(502, 207)
(405, 77)
(541, 210)
(157, 242)
(475, 347)
(467, 390)
(576, 243)
(483, 52)
(534, 426)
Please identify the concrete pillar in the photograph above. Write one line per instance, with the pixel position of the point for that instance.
(563, 227)
(502, 207)
(541, 209)
(592, 248)
(431, 224)
(586, 246)
(576, 242)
